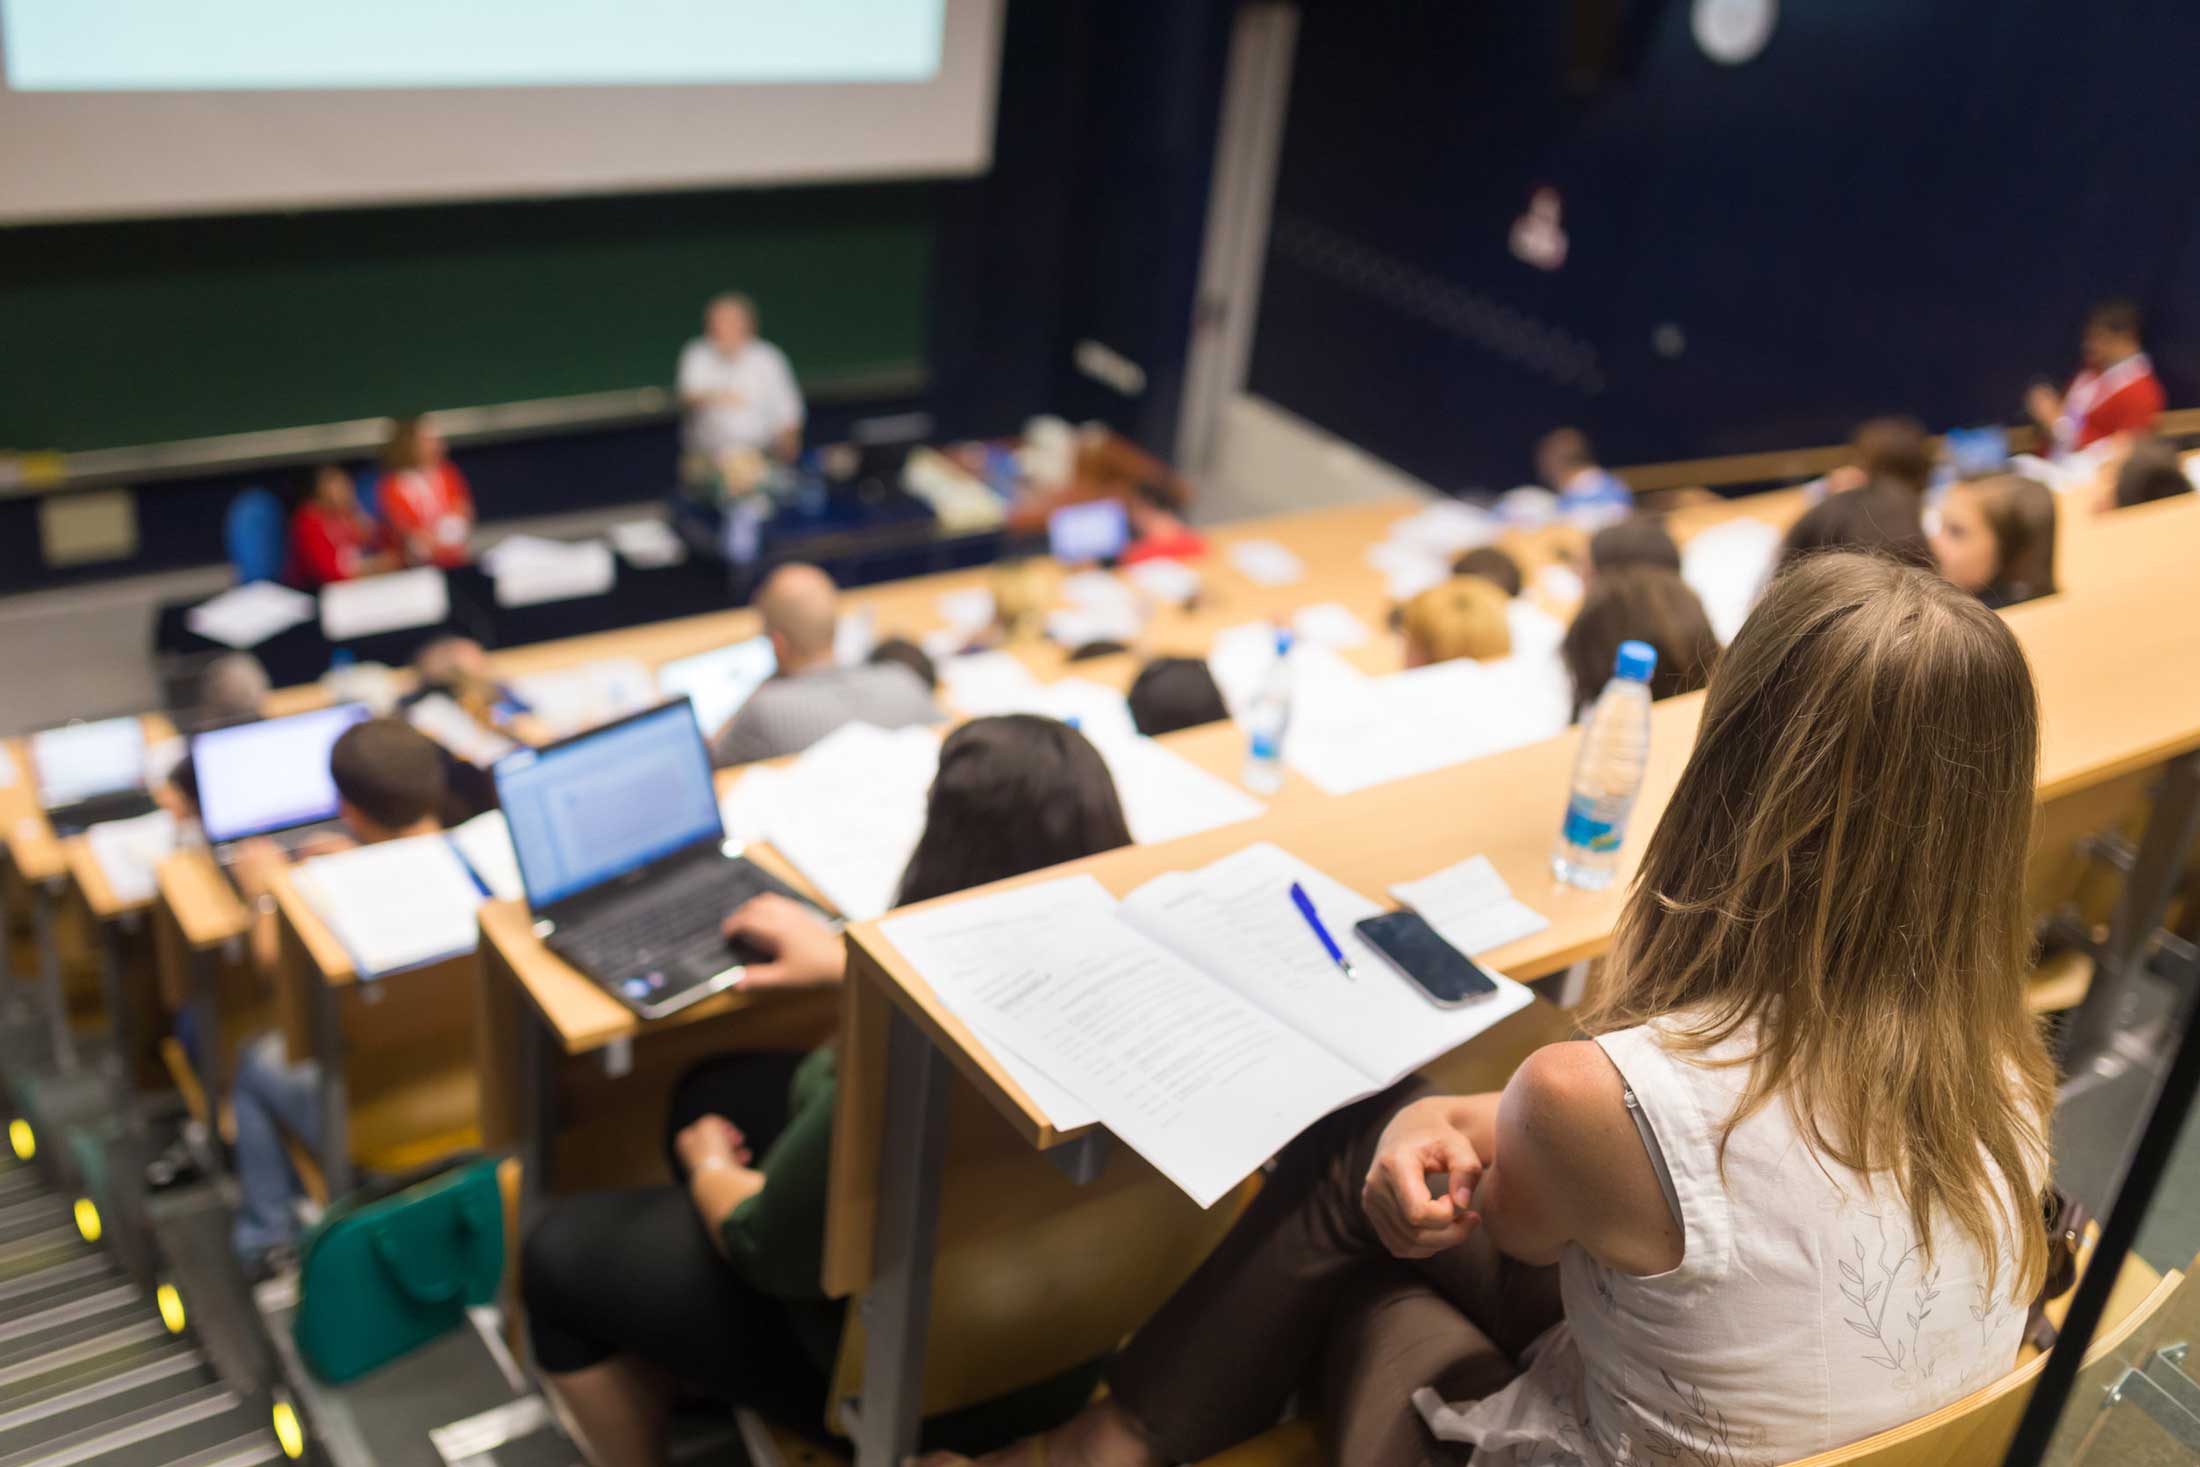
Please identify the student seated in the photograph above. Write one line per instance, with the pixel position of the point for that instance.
(1170, 693)
(1894, 451)
(1640, 540)
(331, 537)
(1876, 519)
(2114, 392)
(1566, 462)
(2153, 470)
(712, 1287)
(1812, 1106)
(1158, 532)
(811, 694)
(1492, 565)
(905, 653)
(1641, 604)
(1996, 539)
(1463, 617)
(389, 783)
(424, 499)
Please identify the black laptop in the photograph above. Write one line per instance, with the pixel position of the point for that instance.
(90, 773)
(626, 864)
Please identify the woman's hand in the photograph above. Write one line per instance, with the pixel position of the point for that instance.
(1413, 1221)
(709, 1143)
(799, 951)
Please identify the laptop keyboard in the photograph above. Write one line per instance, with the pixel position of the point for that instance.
(675, 923)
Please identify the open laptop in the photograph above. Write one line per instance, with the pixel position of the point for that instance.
(270, 777)
(1078, 534)
(719, 681)
(624, 859)
(89, 773)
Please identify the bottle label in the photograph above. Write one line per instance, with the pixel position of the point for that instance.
(1267, 746)
(1586, 831)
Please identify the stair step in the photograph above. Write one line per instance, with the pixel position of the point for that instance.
(90, 1360)
(249, 1450)
(24, 1215)
(86, 1273)
(34, 1336)
(141, 1411)
(157, 1378)
(35, 1255)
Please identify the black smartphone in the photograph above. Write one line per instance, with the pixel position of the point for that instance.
(1446, 975)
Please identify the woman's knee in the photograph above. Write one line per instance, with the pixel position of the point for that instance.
(553, 1255)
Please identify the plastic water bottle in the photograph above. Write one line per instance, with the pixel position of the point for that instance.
(1267, 718)
(1615, 746)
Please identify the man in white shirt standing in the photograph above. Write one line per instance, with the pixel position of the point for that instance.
(737, 391)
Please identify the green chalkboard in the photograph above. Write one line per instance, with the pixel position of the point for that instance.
(115, 334)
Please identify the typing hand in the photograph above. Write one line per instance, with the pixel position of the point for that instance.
(799, 951)
(711, 1142)
(255, 864)
(1411, 1219)
(2043, 404)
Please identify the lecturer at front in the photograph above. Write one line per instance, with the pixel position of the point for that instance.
(737, 390)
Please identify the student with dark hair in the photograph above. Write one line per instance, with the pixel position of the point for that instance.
(1091, 651)
(712, 1285)
(331, 537)
(1492, 565)
(1876, 519)
(1639, 603)
(1170, 693)
(389, 784)
(904, 653)
(1640, 540)
(1566, 461)
(2115, 391)
(1997, 539)
(1158, 531)
(2153, 470)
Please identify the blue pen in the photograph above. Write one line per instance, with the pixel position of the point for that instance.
(1305, 904)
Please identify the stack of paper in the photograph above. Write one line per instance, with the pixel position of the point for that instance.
(387, 603)
(441, 719)
(1266, 563)
(582, 697)
(529, 571)
(850, 809)
(128, 852)
(394, 905)
(1166, 796)
(1727, 566)
(648, 544)
(1470, 906)
(485, 843)
(245, 616)
(1200, 1019)
(751, 803)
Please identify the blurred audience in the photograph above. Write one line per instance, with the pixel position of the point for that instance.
(1996, 539)
(1644, 604)
(1492, 565)
(1462, 618)
(331, 537)
(2153, 470)
(2114, 392)
(1877, 519)
(1566, 461)
(1639, 540)
(1175, 692)
(424, 499)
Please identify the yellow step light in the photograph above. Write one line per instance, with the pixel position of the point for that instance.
(21, 1139)
(87, 1219)
(171, 1307)
(290, 1433)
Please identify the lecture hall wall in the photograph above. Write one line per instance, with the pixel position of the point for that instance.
(1896, 207)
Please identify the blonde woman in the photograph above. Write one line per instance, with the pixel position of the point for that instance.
(1462, 618)
(1786, 1196)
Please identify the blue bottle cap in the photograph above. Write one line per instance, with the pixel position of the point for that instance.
(1637, 660)
(1283, 641)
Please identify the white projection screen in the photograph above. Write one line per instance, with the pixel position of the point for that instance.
(122, 108)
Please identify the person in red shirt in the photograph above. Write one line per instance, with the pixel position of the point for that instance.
(331, 538)
(1159, 533)
(424, 498)
(2116, 392)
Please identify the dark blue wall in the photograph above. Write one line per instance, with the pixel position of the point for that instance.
(1900, 205)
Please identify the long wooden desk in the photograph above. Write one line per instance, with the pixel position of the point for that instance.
(2114, 659)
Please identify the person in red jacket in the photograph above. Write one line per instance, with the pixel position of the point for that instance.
(424, 498)
(331, 537)
(2117, 392)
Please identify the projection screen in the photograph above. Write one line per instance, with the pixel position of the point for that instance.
(118, 108)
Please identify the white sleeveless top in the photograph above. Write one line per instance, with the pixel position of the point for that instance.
(1802, 1316)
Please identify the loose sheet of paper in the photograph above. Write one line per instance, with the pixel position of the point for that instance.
(1169, 581)
(441, 719)
(1346, 738)
(1470, 906)
(1166, 796)
(1266, 563)
(1200, 1082)
(532, 572)
(648, 544)
(851, 811)
(578, 698)
(396, 904)
(970, 609)
(419, 597)
(1408, 570)
(1327, 624)
(486, 844)
(245, 616)
(128, 851)
(751, 803)
(986, 683)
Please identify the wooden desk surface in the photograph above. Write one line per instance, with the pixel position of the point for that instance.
(90, 879)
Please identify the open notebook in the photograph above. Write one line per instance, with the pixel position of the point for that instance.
(401, 904)
(1198, 1019)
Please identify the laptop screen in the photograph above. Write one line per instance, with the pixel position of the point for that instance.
(257, 778)
(83, 760)
(718, 682)
(595, 807)
(1082, 532)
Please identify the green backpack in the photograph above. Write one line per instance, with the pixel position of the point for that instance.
(391, 1267)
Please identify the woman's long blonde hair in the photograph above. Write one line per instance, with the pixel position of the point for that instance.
(1841, 871)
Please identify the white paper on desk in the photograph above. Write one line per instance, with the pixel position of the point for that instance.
(985, 683)
(1168, 581)
(751, 803)
(1727, 567)
(1560, 584)
(486, 844)
(128, 852)
(1165, 796)
(420, 597)
(161, 758)
(941, 643)
(396, 904)
(1234, 919)
(1535, 632)
(969, 610)
(522, 552)
(247, 615)
(854, 635)
(1241, 656)
(1096, 590)
(648, 544)
(1188, 1074)
(850, 811)
(1408, 570)
(1350, 738)
(1266, 563)
(1470, 906)
(1097, 711)
(1081, 626)
(578, 698)
(1446, 528)
(1328, 624)
(439, 717)
(550, 571)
